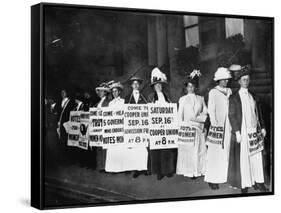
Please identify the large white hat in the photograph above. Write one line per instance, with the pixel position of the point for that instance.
(157, 76)
(222, 73)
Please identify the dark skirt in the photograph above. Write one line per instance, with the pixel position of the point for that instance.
(100, 158)
(234, 172)
(162, 161)
(86, 158)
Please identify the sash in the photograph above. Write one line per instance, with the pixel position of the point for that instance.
(255, 141)
(215, 135)
(186, 134)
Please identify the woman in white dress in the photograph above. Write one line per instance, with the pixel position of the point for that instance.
(192, 112)
(120, 158)
(218, 154)
(114, 155)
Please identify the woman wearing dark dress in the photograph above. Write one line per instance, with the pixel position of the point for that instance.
(161, 162)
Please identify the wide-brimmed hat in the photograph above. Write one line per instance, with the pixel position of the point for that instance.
(222, 73)
(240, 71)
(135, 78)
(116, 85)
(157, 76)
(103, 87)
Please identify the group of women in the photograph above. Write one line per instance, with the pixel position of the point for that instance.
(189, 159)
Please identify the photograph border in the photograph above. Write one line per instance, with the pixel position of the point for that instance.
(38, 115)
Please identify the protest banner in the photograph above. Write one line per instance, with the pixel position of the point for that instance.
(72, 128)
(215, 135)
(163, 132)
(84, 130)
(255, 141)
(113, 126)
(186, 134)
(136, 125)
(95, 127)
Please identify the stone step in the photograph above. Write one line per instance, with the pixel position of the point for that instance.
(261, 82)
(261, 89)
(257, 87)
(259, 70)
(259, 75)
(255, 83)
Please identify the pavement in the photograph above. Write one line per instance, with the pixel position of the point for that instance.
(69, 181)
(83, 185)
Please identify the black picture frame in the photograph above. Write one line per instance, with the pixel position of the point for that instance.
(38, 85)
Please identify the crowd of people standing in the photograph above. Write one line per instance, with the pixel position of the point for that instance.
(229, 162)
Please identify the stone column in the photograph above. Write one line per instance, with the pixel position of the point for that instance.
(162, 42)
(151, 40)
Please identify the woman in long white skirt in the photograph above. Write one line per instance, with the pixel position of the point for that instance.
(115, 155)
(121, 158)
(218, 154)
(193, 113)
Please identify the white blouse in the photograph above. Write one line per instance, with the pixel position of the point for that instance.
(116, 102)
(192, 108)
(218, 105)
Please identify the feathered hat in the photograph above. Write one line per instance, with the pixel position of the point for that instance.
(193, 78)
(157, 76)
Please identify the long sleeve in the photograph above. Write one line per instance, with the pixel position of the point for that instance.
(260, 115)
(212, 108)
(203, 115)
(180, 110)
(232, 114)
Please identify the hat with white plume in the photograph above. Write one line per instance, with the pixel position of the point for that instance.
(193, 77)
(157, 76)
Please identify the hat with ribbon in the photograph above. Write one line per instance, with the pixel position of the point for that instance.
(136, 78)
(115, 85)
(103, 87)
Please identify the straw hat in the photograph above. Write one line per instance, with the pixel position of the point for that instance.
(116, 85)
(103, 86)
(135, 78)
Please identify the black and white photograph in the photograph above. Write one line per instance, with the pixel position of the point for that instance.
(138, 106)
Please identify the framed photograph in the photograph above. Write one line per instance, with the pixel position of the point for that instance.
(135, 106)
